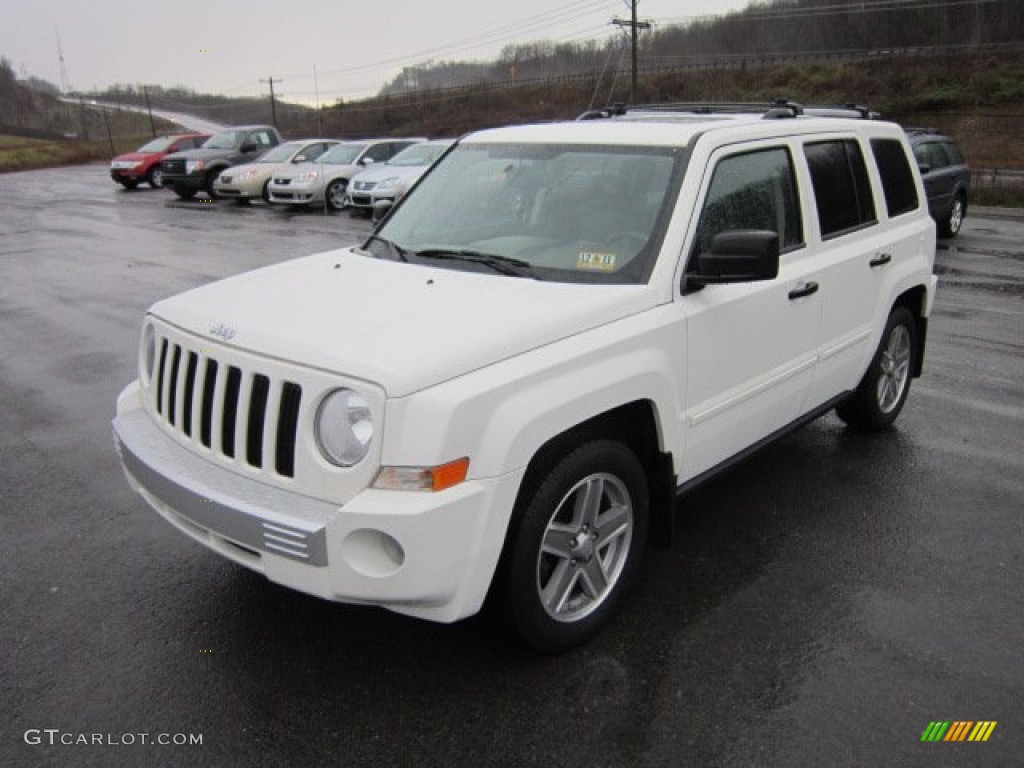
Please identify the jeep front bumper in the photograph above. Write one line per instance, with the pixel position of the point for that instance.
(430, 555)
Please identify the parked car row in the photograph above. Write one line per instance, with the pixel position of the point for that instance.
(252, 162)
(338, 174)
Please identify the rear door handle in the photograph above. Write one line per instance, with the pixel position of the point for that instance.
(880, 260)
(804, 290)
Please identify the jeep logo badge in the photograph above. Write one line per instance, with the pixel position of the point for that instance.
(222, 331)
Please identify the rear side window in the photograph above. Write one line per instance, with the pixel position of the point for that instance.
(930, 154)
(841, 187)
(754, 190)
(952, 153)
(897, 177)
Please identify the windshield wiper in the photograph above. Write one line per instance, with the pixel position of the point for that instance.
(506, 265)
(398, 253)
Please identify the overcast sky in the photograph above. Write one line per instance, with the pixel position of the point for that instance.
(226, 46)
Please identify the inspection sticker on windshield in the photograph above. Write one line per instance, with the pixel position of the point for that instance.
(602, 262)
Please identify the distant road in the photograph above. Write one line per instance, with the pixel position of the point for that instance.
(187, 122)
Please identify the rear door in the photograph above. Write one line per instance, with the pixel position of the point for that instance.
(853, 257)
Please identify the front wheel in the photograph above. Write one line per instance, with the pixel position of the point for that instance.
(578, 544)
(155, 177)
(335, 194)
(185, 193)
(883, 390)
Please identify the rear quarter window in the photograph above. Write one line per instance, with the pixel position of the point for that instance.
(897, 177)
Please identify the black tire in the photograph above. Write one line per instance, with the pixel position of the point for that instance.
(950, 226)
(265, 192)
(211, 176)
(334, 195)
(129, 183)
(883, 390)
(570, 559)
(185, 193)
(155, 177)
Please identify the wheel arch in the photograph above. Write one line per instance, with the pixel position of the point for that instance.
(914, 299)
(634, 424)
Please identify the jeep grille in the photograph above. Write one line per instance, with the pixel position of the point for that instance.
(241, 414)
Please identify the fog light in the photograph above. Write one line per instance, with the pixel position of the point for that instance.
(372, 553)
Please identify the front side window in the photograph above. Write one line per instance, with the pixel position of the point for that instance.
(897, 177)
(342, 154)
(161, 144)
(378, 153)
(569, 213)
(752, 191)
(224, 140)
(279, 154)
(841, 187)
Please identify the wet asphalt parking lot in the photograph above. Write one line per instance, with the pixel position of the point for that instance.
(823, 602)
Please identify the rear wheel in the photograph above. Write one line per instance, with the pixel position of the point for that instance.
(335, 194)
(578, 544)
(952, 223)
(155, 177)
(883, 390)
(185, 193)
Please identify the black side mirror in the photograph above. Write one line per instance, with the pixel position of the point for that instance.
(924, 168)
(249, 147)
(740, 256)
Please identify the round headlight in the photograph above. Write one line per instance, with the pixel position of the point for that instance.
(344, 427)
(148, 352)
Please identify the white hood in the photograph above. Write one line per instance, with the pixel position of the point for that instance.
(404, 327)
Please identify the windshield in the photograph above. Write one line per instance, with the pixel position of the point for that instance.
(225, 140)
(570, 213)
(418, 154)
(156, 145)
(342, 154)
(280, 154)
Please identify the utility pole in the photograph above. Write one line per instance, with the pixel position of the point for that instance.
(152, 125)
(273, 105)
(634, 26)
(319, 112)
(64, 84)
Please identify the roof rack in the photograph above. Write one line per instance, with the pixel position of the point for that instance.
(774, 110)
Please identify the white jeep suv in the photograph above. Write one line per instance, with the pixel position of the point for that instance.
(564, 326)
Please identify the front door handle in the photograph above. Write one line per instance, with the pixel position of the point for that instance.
(804, 290)
(880, 260)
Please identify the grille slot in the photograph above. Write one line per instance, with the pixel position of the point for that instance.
(230, 410)
(190, 388)
(287, 425)
(227, 430)
(206, 416)
(257, 419)
(172, 400)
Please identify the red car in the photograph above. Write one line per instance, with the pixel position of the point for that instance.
(144, 163)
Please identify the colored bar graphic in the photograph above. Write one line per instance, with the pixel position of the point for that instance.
(958, 730)
(982, 730)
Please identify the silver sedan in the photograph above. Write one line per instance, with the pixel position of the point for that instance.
(249, 181)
